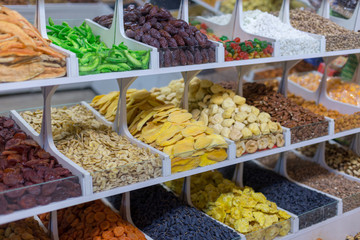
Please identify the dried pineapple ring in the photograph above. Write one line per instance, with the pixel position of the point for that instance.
(255, 111)
(227, 122)
(239, 100)
(240, 148)
(228, 103)
(251, 146)
(263, 143)
(273, 127)
(280, 140)
(264, 128)
(242, 225)
(225, 132)
(246, 132)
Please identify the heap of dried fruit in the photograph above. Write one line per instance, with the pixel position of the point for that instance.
(95, 221)
(111, 159)
(30, 176)
(24, 53)
(226, 113)
(172, 130)
(240, 208)
(26, 229)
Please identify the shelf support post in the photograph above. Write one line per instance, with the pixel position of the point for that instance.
(188, 76)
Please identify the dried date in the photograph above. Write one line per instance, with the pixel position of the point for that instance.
(130, 33)
(189, 57)
(167, 58)
(172, 43)
(205, 55)
(163, 42)
(176, 57)
(197, 57)
(155, 33)
(27, 201)
(183, 58)
(179, 40)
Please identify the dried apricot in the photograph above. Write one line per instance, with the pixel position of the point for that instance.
(131, 235)
(90, 218)
(95, 231)
(97, 238)
(100, 216)
(112, 217)
(118, 231)
(107, 234)
(104, 225)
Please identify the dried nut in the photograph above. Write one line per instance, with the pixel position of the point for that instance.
(251, 146)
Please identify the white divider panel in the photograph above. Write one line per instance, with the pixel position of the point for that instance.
(284, 15)
(302, 91)
(234, 28)
(283, 86)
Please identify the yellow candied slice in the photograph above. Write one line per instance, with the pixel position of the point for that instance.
(198, 153)
(260, 218)
(285, 228)
(217, 155)
(111, 110)
(177, 161)
(166, 112)
(263, 207)
(164, 107)
(185, 145)
(106, 98)
(242, 225)
(217, 213)
(130, 114)
(193, 130)
(270, 220)
(139, 95)
(284, 214)
(204, 161)
(193, 163)
(209, 131)
(168, 150)
(172, 140)
(167, 135)
(217, 141)
(148, 115)
(179, 117)
(96, 99)
(247, 214)
(151, 138)
(149, 130)
(159, 119)
(154, 102)
(259, 197)
(202, 142)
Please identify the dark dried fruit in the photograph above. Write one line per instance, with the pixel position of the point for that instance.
(165, 34)
(205, 55)
(183, 58)
(167, 58)
(163, 42)
(155, 33)
(176, 57)
(189, 57)
(179, 40)
(197, 57)
(172, 43)
(27, 201)
(130, 33)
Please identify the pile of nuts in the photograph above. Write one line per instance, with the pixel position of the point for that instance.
(240, 208)
(189, 143)
(342, 121)
(304, 124)
(95, 220)
(315, 176)
(229, 116)
(111, 159)
(337, 37)
(337, 158)
(30, 176)
(26, 229)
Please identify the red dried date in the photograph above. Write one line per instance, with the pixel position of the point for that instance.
(27, 201)
(14, 193)
(155, 33)
(201, 38)
(171, 29)
(146, 27)
(165, 34)
(12, 178)
(163, 42)
(130, 33)
(167, 58)
(197, 57)
(205, 55)
(179, 40)
(153, 11)
(183, 58)
(178, 23)
(8, 123)
(212, 57)
(183, 34)
(172, 43)
(189, 57)
(189, 41)
(176, 57)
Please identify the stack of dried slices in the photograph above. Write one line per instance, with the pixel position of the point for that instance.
(24, 54)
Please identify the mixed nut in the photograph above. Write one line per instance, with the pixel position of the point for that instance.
(303, 123)
(30, 176)
(111, 159)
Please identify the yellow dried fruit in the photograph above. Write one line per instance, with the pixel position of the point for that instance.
(184, 147)
(193, 130)
(202, 142)
(172, 140)
(179, 117)
(217, 155)
(168, 134)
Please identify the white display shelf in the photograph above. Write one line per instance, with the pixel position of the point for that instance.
(115, 75)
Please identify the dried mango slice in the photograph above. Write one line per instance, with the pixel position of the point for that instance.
(180, 161)
(148, 115)
(95, 100)
(179, 117)
(217, 155)
(198, 153)
(166, 112)
(270, 220)
(242, 225)
(183, 147)
(149, 131)
(163, 107)
(202, 142)
(204, 161)
(105, 99)
(193, 163)
(260, 218)
(209, 131)
(172, 141)
(193, 130)
(151, 138)
(168, 150)
(111, 110)
(166, 135)
(199, 136)
(217, 141)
